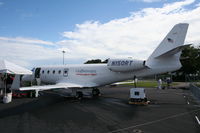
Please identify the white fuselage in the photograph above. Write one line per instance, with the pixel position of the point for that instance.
(90, 75)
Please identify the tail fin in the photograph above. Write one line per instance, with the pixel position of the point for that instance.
(172, 44)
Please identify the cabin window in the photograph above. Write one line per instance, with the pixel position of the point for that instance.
(42, 71)
(48, 72)
(137, 93)
(53, 71)
(59, 72)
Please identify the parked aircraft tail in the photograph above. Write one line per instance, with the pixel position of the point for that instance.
(169, 50)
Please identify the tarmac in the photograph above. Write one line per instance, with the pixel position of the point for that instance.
(169, 111)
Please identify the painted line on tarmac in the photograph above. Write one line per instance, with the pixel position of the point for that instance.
(188, 102)
(155, 121)
(197, 119)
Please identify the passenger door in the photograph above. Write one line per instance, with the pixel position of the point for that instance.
(37, 72)
(37, 76)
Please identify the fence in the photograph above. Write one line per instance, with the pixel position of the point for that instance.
(195, 90)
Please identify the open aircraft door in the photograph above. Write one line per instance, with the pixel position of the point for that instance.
(37, 76)
(37, 72)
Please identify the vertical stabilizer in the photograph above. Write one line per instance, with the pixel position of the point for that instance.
(170, 45)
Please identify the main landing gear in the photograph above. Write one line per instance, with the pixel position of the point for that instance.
(95, 92)
(87, 93)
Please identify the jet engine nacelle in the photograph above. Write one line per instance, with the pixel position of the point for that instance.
(125, 65)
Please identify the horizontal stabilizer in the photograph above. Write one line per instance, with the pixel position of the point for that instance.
(172, 51)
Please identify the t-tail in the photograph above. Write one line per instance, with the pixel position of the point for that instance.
(167, 54)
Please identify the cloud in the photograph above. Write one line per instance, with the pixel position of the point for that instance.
(1, 3)
(134, 36)
(23, 51)
(25, 40)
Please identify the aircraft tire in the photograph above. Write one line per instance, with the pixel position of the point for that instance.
(95, 92)
(79, 95)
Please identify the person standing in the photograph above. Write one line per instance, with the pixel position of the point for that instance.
(168, 80)
(160, 83)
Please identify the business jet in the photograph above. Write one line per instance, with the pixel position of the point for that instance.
(165, 58)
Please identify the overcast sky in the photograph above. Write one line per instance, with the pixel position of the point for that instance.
(34, 32)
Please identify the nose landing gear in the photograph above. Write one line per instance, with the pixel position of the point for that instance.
(95, 92)
(79, 95)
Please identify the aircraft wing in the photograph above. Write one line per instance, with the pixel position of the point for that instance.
(121, 83)
(50, 87)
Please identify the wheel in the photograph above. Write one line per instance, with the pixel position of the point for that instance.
(95, 92)
(79, 95)
(145, 99)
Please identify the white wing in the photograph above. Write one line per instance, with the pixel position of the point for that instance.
(58, 86)
(49, 87)
(121, 83)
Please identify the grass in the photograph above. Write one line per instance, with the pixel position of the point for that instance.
(148, 84)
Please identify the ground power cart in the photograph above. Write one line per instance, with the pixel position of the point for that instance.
(138, 96)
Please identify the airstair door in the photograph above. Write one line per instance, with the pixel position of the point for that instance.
(37, 72)
(37, 76)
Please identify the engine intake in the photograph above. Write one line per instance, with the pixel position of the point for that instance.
(125, 65)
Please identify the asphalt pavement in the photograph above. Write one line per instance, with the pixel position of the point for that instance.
(169, 111)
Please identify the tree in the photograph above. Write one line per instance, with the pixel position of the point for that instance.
(105, 61)
(190, 60)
